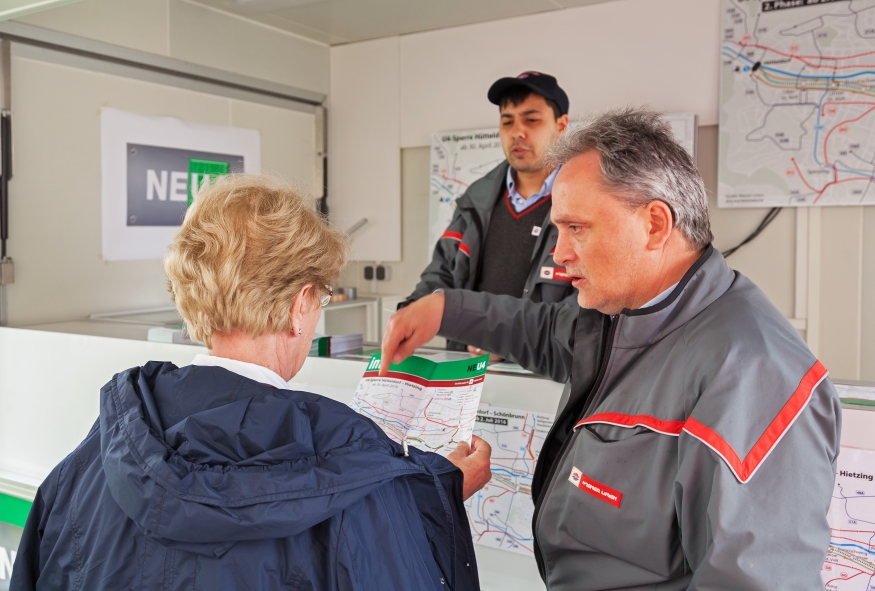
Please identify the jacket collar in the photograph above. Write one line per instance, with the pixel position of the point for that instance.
(482, 200)
(701, 286)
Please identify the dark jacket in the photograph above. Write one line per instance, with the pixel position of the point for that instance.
(696, 448)
(457, 259)
(198, 478)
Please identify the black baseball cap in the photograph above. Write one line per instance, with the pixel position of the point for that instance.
(543, 84)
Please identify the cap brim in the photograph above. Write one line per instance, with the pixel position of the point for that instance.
(497, 90)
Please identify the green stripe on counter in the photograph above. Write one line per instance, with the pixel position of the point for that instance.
(858, 401)
(13, 510)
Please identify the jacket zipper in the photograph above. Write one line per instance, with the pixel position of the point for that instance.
(479, 265)
(603, 369)
(551, 475)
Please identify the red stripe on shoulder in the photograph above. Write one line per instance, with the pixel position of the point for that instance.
(451, 236)
(621, 420)
(745, 469)
(464, 248)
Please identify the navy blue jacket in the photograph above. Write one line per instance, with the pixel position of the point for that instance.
(198, 478)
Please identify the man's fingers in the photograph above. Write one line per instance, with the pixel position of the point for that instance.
(411, 327)
(404, 350)
(478, 444)
(393, 337)
(461, 452)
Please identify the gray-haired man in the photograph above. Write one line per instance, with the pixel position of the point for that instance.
(696, 444)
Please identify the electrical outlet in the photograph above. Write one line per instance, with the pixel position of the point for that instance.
(384, 273)
(369, 272)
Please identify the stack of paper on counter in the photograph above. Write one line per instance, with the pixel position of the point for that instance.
(323, 346)
(427, 404)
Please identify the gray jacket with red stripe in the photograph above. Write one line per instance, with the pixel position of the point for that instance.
(695, 448)
(457, 259)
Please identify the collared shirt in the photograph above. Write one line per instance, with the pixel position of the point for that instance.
(252, 371)
(660, 297)
(521, 203)
(655, 300)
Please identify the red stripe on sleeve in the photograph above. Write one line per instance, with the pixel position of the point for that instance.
(464, 248)
(745, 469)
(742, 469)
(621, 420)
(451, 236)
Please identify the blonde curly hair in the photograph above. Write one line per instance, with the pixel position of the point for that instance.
(248, 245)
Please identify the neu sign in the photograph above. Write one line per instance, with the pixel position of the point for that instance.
(162, 182)
(151, 168)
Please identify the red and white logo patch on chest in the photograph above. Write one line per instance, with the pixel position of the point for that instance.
(595, 488)
(557, 273)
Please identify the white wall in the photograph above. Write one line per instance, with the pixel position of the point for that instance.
(55, 195)
(194, 33)
(662, 53)
(364, 162)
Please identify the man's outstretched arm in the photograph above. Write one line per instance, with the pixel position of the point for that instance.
(538, 336)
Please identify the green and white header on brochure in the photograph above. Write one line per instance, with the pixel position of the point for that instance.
(429, 404)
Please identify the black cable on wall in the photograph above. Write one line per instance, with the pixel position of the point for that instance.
(5, 175)
(770, 217)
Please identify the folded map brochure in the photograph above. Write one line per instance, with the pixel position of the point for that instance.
(335, 345)
(428, 404)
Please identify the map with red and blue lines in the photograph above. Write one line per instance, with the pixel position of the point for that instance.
(850, 559)
(797, 103)
(500, 514)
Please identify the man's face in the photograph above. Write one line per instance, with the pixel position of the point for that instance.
(526, 130)
(602, 243)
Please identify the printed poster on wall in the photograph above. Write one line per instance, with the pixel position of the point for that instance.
(796, 103)
(850, 558)
(458, 158)
(151, 169)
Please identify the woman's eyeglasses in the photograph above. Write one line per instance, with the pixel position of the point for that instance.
(325, 299)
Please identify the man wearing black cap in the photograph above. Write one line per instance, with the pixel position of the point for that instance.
(500, 239)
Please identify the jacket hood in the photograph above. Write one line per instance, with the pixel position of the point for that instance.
(200, 457)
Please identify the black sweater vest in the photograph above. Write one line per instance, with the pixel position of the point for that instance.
(507, 251)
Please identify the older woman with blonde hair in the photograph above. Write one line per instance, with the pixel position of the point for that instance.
(217, 475)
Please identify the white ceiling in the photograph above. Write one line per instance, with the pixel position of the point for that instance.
(16, 8)
(344, 21)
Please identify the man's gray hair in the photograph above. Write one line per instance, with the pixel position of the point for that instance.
(642, 162)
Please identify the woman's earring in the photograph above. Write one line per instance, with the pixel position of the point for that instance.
(300, 331)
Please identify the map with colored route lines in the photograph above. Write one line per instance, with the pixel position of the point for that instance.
(850, 559)
(797, 103)
(431, 405)
(501, 513)
(458, 158)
